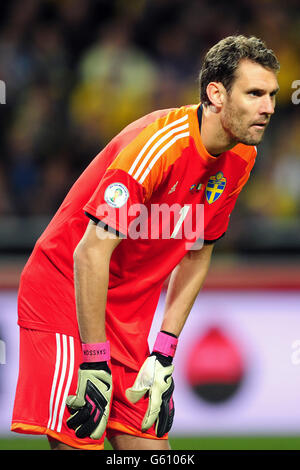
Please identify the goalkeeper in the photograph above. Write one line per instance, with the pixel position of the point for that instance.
(151, 389)
(89, 290)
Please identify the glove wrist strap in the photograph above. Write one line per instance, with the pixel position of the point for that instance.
(165, 344)
(96, 352)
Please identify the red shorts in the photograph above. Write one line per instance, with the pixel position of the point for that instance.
(48, 374)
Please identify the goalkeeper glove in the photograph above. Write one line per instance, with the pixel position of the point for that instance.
(90, 406)
(155, 377)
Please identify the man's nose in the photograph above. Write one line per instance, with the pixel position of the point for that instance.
(268, 105)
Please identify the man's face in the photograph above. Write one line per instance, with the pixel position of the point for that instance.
(249, 105)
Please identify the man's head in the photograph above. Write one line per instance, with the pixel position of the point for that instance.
(238, 81)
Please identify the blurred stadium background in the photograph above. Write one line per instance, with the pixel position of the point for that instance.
(76, 72)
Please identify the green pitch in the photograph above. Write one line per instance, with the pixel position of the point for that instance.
(183, 443)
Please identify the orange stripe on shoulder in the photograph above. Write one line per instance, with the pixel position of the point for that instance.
(166, 137)
(247, 153)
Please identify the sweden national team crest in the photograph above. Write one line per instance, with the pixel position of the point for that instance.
(215, 187)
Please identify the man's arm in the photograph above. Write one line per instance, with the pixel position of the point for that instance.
(89, 407)
(91, 274)
(155, 375)
(185, 283)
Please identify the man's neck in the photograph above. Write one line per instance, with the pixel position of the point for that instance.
(213, 136)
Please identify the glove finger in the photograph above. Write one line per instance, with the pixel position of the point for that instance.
(166, 414)
(87, 428)
(151, 413)
(78, 418)
(72, 411)
(86, 421)
(99, 429)
(75, 401)
(94, 426)
(87, 418)
(134, 395)
(159, 389)
(143, 381)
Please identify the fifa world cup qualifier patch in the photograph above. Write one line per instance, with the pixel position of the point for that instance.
(215, 187)
(116, 195)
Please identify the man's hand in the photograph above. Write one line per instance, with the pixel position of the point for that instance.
(90, 406)
(155, 379)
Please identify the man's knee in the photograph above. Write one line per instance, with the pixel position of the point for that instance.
(128, 442)
(57, 445)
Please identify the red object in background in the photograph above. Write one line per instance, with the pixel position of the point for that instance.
(215, 367)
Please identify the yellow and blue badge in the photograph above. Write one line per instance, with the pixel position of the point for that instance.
(215, 187)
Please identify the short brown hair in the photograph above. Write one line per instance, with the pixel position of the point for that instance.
(222, 60)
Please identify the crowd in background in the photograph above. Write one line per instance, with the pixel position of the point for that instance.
(78, 71)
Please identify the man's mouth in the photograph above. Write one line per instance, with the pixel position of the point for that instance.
(260, 125)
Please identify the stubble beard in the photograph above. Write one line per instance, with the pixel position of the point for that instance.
(238, 132)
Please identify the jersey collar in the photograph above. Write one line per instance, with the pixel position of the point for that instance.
(196, 122)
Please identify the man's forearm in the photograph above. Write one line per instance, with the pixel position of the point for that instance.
(91, 274)
(185, 283)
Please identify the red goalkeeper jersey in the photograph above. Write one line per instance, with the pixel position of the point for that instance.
(159, 188)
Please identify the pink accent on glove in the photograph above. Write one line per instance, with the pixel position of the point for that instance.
(165, 344)
(96, 352)
(93, 408)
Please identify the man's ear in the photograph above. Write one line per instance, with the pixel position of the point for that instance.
(216, 95)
